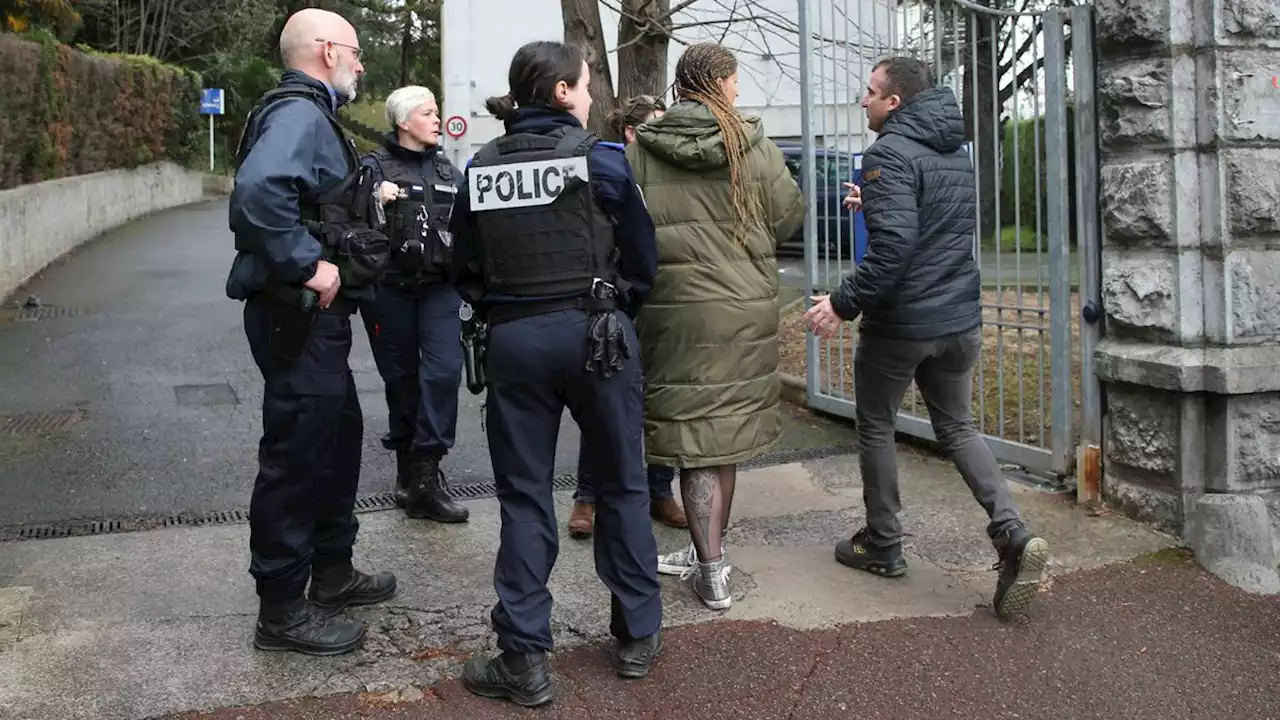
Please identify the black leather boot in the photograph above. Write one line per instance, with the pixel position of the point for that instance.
(523, 679)
(303, 627)
(340, 587)
(428, 493)
(403, 475)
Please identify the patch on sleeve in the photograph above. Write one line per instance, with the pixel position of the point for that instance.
(870, 175)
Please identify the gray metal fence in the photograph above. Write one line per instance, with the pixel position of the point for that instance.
(1014, 68)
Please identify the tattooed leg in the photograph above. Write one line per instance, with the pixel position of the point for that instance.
(728, 481)
(704, 504)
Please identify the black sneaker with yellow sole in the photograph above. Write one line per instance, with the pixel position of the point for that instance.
(859, 554)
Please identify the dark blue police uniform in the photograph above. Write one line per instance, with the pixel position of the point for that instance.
(537, 364)
(302, 521)
(413, 326)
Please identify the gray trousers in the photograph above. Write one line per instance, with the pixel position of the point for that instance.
(943, 370)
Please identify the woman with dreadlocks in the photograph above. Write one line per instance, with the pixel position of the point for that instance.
(721, 198)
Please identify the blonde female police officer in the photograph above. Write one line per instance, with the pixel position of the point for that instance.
(412, 321)
(551, 237)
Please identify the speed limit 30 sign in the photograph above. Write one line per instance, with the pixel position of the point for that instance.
(456, 126)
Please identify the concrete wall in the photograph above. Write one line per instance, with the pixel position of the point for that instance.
(1189, 128)
(39, 223)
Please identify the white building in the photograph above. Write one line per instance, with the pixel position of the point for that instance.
(481, 36)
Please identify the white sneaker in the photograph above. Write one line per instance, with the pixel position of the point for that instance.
(711, 583)
(676, 563)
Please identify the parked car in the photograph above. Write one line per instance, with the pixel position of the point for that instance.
(831, 169)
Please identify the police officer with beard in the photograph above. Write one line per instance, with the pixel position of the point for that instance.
(303, 213)
(413, 321)
(551, 242)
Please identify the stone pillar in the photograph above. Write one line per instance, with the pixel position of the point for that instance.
(1189, 134)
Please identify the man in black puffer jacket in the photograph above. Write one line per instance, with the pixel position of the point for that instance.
(918, 291)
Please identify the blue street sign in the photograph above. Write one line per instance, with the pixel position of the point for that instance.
(211, 101)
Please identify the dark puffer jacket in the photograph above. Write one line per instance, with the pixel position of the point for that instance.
(918, 279)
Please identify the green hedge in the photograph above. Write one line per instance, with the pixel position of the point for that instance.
(1022, 195)
(71, 112)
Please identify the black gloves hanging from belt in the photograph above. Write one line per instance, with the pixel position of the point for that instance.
(607, 345)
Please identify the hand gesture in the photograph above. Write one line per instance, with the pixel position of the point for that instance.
(853, 201)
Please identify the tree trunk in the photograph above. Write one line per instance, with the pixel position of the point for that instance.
(406, 44)
(643, 47)
(582, 27)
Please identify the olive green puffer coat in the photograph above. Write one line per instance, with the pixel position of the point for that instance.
(709, 330)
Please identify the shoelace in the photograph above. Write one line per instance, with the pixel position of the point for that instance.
(692, 570)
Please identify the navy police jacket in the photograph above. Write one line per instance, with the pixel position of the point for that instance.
(614, 187)
(294, 151)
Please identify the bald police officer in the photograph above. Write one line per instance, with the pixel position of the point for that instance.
(302, 213)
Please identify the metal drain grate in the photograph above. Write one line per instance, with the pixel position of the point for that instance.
(39, 423)
(44, 312)
(364, 503)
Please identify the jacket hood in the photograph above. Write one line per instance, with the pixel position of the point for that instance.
(687, 136)
(932, 118)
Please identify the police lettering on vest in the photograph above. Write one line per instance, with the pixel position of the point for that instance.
(540, 231)
(525, 184)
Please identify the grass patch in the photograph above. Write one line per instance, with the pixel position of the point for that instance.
(1012, 385)
(1011, 238)
(1175, 556)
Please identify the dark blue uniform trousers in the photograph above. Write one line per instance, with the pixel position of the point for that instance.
(535, 370)
(414, 335)
(660, 479)
(302, 511)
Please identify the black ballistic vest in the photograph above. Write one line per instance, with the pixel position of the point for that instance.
(560, 241)
(343, 218)
(418, 221)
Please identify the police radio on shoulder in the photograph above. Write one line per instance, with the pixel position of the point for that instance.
(524, 184)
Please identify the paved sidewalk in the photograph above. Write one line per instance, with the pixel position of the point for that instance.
(146, 624)
(1156, 638)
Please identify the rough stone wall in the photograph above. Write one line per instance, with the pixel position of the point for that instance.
(1189, 134)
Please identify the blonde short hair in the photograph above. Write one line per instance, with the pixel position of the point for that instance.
(403, 101)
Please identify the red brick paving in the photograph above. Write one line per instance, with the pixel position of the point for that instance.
(1141, 640)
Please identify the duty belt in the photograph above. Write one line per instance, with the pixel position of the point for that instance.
(506, 312)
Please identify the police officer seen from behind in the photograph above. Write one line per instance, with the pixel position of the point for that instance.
(551, 236)
(413, 322)
(302, 214)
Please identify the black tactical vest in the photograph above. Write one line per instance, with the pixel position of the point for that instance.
(540, 231)
(344, 218)
(418, 221)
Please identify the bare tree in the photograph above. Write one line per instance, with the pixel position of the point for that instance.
(582, 27)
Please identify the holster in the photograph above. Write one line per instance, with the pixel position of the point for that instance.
(475, 349)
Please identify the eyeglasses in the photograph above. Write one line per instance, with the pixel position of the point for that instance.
(355, 51)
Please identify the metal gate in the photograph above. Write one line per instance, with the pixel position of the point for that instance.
(1025, 79)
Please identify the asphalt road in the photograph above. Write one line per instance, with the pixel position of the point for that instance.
(133, 393)
(144, 319)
